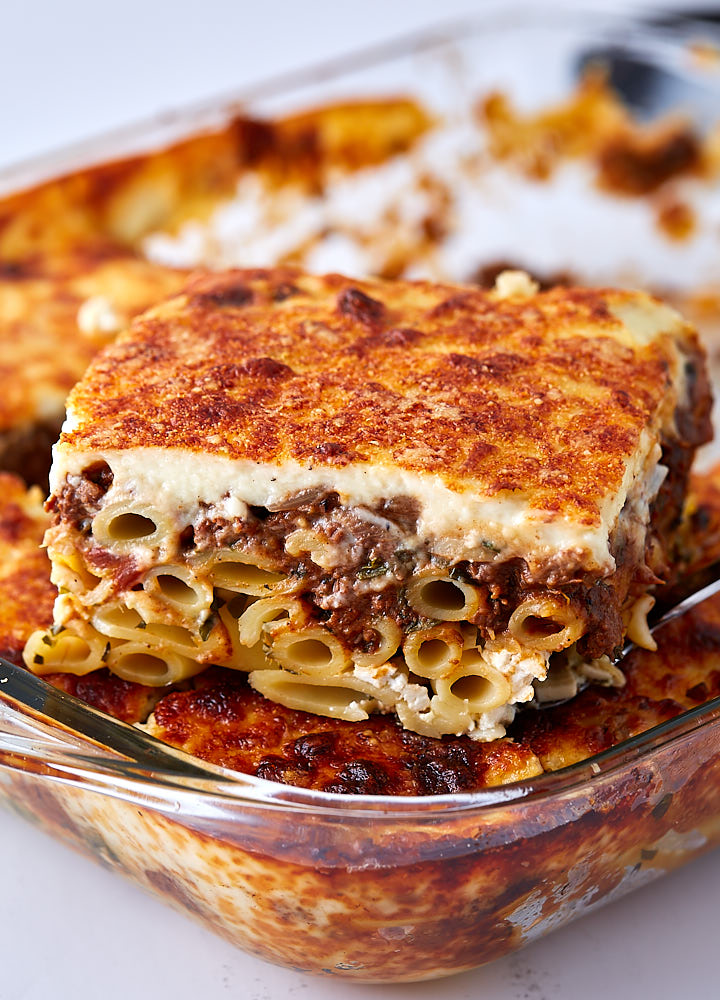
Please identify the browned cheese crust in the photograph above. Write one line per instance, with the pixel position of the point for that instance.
(489, 394)
(26, 594)
(222, 720)
(43, 348)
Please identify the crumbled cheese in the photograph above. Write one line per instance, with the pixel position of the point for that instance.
(515, 284)
(97, 315)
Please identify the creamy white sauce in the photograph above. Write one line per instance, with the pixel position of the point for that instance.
(453, 525)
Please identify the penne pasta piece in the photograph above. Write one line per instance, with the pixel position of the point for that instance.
(134, 661)
(180, 588)
(67, 651)
(638, 630)
(260, 613)
(474, 684)
(235, 572)
(389, 638)
(437, 596)
(120, 527)
(546, 621)
(337, 698)
(310, 651)
(434, 652)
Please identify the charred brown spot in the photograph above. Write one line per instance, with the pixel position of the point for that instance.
(361, 777)
(459, 302)
(361, 307)
(314, 746)
(256, 139)
(275, 768)
(336, 451)
(436, 776)
(230, 296)
(401, 337)
(14, 270)
(284, 291)
(637, 164)
(478, 453)
(266, 368)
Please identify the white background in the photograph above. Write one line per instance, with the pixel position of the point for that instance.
(69, 929)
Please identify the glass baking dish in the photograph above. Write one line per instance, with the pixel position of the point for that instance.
(373, 888)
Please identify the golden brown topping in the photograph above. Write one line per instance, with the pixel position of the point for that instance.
(545, 393)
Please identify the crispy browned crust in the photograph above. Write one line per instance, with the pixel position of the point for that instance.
(524, 394)
(44, 352)
(124, 200)
(26, 600)
(224, 721)
(26, 594)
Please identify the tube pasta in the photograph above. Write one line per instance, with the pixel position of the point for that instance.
(310, 651)
(70, 572)
(69, 651)
(215, 648)
(638, 630)
(437, 720)
(474, 686)
(322, 553)
(121, 526)
(121, 622)
(134, 661)
(339, 698)
(434, 652)
(601, 671)
(241, 657)
(241, 573)
(438, 596)
(390, 637)
(545, 621)
(260, 613)
(118, 621)
(180, 588)
(560, 684)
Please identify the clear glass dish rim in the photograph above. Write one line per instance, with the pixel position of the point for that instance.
(235, 787)
(496, 16)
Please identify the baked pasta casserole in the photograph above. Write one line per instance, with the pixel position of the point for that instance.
(395, 497)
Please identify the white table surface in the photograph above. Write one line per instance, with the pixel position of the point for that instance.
(69, 929)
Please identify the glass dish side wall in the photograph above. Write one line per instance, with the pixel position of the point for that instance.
(374, 896)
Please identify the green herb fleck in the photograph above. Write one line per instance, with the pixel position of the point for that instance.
(56, 629)
(207, 627)
(376, 567)
(422, 623)
(404, 555)
(490, 546)
(38, 659)
(47, 640)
